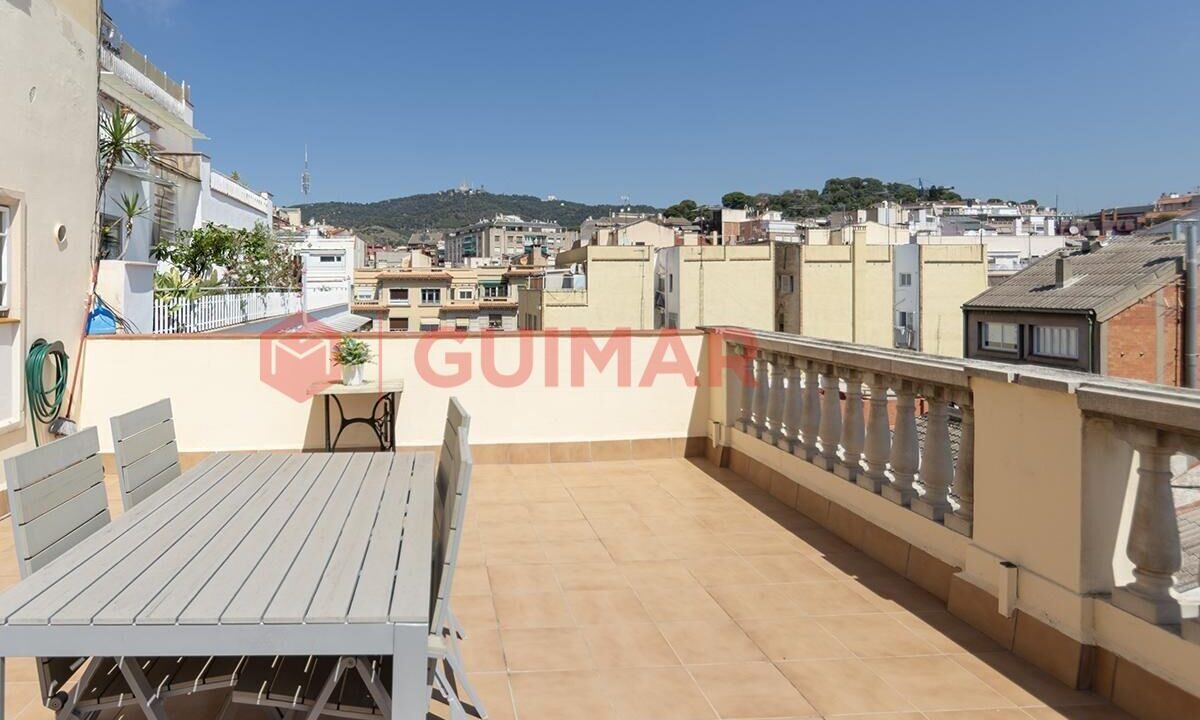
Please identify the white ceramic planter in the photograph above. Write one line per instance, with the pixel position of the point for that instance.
(352, 374)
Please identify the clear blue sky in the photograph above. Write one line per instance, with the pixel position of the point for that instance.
(666, 99)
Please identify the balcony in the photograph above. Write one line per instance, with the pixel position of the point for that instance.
(737, 524)
(221, 308)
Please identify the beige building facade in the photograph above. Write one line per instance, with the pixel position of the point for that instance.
(431, 299)
(705, 285)
(47, 190)
(617, 291)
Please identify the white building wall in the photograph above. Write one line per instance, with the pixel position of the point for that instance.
(907, 299)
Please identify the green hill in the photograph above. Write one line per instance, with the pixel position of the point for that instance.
(392, 221)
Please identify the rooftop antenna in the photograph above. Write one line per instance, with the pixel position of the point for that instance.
(305, 177)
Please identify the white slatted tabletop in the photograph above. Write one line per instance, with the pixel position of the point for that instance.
(249, 554)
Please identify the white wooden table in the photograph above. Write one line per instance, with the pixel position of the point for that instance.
(250, 554)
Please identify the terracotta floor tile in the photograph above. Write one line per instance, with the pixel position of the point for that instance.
(508, 532)
(710, 571)
(837, 687)
(475, 612)
(628, 645)
(565, 531)
(515, 553)
(540, 610)
(1083, 712)
(749, 690)
(576, 551)
(895, 594)
(1000, 714)
(936, 682)
(482, 651)
(522, 579)
(577, 695)
(793, 638)
(546, 492)
(545, 649)
(590, 576)
(1020, 682)
(505, 512)
(471, 580)
(605, 607)
(664, 523)
(696, 546)
(707, 642)
(763, 543)
(947, 633)
(597, 494)
(792, 567)
(495, 693)
(875, 636)
(554, 511)
(634, 549)
(657, 573)
(656, 694)
(678, 603)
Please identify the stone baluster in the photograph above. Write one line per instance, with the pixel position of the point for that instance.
(811, 421)
(762, 393)
(745, 419)
(1153, 535)
(964, 475)
(831, 418)
(774, 432)
(937, 459)
(853, 432)
(905, 447)
(792, 406)
(879, 437)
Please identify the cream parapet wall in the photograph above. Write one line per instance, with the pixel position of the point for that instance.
(220, 401)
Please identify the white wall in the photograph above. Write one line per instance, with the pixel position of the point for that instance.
(218, 206)
(907, 260)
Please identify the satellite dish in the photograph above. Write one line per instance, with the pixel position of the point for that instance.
(1074, 229)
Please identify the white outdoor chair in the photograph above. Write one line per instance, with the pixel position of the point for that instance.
(145, 451)
(324, 685)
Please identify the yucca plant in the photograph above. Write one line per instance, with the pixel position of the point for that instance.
(120, 143)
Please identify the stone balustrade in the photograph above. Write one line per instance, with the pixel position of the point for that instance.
(1162, 427)
(853, 411)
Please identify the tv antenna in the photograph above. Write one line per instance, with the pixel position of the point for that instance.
(305, 177)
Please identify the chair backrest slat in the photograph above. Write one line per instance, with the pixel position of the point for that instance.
(56, 496)
(146, 453)
(57, 499)
(450, 506)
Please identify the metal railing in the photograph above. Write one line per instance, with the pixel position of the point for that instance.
(217, 308)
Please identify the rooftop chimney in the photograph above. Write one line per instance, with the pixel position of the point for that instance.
(1063, 271)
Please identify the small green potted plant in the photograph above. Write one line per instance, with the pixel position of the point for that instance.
(351, 354)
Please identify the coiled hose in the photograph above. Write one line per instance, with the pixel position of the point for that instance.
(45, 402)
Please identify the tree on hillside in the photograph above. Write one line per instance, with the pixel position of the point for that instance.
(736, 200)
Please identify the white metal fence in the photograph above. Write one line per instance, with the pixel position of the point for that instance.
(216, 308)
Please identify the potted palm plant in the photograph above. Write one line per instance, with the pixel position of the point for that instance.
(351, 354)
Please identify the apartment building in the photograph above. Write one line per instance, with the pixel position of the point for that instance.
(502, 238)
(47, 191)
(602, 231)
(175, 189)
(610, 287)
(1112, 307)
(885, 295)
(697, 286)
(429, 299)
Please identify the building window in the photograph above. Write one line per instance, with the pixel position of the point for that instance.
(5, 256)
(329, 258)
(904, 319)
(1056, 341)
(364, 292)
(466, 293)
(905, 279)
(398, 296)
(495, 322)
(112, 232)
(999, 337)
(398, 324)
(431, 296)
(495, 292)
(670, 282)
(430, 326)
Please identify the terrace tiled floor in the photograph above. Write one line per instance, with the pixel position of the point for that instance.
(674, 590)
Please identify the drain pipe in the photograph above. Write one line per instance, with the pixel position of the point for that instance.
(1191, 310)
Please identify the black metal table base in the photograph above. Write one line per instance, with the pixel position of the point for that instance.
(382, 421)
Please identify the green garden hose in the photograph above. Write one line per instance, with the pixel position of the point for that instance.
(45, 402)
